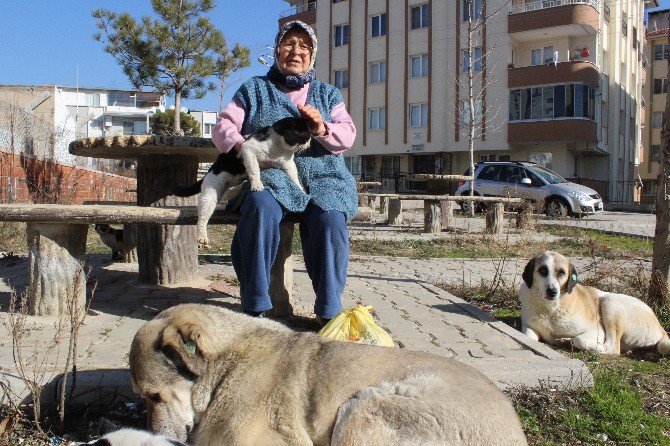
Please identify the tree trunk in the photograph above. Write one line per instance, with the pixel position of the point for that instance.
(166, 254)
(471, 104)
(659, 290)
(176, 124)
(57, 277)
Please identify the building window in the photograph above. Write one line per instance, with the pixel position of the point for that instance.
(341, 35)
(378, 25)
(128, 128)
(368, 168)
(557, 101)
(657, 120)
(337, 1)
(418, 65)
(624, 27)
(341, 79)
(656, 153)
(660, 86)
(377, 72)
(418, 115)
(472, 5)
(377, 118)
(465, 111)
(419, 16)
(93, 99)
(476, 55)
(661, 51)
(208, 128)
(353, 163)
(541, 56)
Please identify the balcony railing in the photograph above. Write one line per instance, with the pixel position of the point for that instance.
(311, 6)
(544, 4)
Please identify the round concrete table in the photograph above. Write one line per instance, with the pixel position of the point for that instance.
(167, 254)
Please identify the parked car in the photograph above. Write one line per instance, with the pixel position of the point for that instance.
(553, 193)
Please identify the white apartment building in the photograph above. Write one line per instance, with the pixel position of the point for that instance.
(207, 121)
(558, 82)
(67, 113)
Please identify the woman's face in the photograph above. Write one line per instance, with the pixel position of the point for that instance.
(294, 53)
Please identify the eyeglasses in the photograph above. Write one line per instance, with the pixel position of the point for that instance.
(289, 46)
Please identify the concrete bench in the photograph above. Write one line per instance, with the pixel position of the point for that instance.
(57, 244)
(438, 210)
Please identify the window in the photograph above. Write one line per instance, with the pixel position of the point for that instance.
(624, 27)
(341, 79)
(418, 115)
(465, 111)
(419, 16)
(377, 119)
(128, 127)
(93, 99)
(467, 6)
(661, 51)
(504, 158)
(377, 72)
(378, 25)
(476, 55)
(341, 35)
(660, 86)
(368, 168)
(337, 1)
(353, 163)
(557, 101)
(418, 65)
(656, 153)
(657, 120)
(208, 129)
(541, 56)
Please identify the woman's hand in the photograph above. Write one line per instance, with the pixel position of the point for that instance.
(314, 118)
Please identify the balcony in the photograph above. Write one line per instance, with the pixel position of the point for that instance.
(553, 18)
(305, 12)
(562, 73)
(552, 130)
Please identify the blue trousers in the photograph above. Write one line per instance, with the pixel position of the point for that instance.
(325, 246)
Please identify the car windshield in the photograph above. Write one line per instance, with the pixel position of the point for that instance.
(548, 176)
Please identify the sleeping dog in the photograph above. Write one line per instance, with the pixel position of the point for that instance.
(555, 308)
(274, 145)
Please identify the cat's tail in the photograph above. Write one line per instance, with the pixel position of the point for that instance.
(187, 191)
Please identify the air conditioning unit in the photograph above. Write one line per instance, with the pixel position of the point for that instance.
(108, 121)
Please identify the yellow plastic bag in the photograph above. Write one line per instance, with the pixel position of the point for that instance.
(356, 325)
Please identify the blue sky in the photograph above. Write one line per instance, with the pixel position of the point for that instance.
(43, 41)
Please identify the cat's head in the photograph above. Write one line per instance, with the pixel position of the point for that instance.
(295, 132)
(103, 229)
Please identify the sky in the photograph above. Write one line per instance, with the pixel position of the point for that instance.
(50, 41)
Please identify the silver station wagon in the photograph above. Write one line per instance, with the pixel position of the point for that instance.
(557, 196)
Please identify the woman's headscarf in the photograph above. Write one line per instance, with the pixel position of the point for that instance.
(293, 81)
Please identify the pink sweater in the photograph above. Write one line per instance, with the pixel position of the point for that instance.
(340, 133)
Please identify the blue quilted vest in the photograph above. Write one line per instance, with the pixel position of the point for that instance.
(324, 176)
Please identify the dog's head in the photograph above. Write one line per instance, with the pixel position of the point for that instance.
(550, 274)
(103, 229)
(169, 357)
(295, 132)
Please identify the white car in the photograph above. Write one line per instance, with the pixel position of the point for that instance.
(558, 196)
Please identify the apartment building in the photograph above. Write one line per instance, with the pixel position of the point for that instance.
(207, 121)
(61, 113)
(654, 94)
(558, 82)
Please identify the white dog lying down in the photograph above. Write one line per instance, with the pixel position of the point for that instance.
(555, 308)
(224, 378)
(132, 437)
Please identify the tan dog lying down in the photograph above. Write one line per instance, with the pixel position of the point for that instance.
(230, 379)
(555, 308)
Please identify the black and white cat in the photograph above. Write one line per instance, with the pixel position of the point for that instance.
(132, 437)
(273, 146)
(112, 238)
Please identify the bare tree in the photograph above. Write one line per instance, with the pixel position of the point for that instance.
(478, 114)
(659, 290)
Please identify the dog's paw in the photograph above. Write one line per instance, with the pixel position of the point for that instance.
(257, 186)
(203, 242)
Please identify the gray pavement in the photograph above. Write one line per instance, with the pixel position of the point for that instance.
(417, 314)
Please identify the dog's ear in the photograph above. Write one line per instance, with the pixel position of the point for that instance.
(528, 273)
(572, 279)
(182, 347)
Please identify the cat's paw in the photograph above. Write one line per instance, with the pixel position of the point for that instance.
(257, 186)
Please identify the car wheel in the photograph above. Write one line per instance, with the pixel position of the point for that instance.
(465, 205)
(557, 207)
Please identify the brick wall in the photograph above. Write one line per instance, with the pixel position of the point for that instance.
(34, 180)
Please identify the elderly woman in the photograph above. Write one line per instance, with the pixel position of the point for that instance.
(329, 199)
